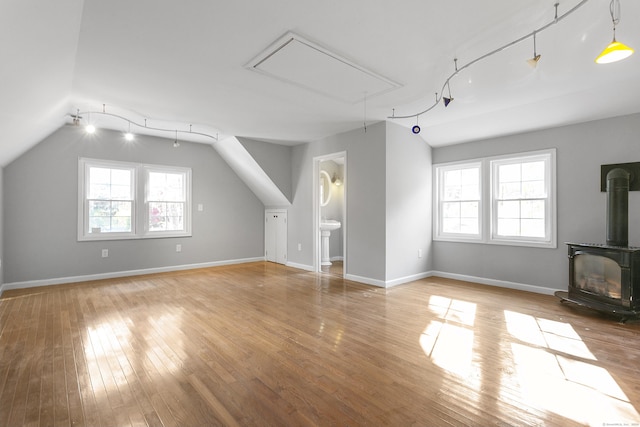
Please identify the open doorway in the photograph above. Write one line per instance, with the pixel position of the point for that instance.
(330, 218)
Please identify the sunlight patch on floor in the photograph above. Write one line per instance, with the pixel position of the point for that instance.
(556, 372)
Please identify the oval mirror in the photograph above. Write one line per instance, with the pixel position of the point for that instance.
(325, 188)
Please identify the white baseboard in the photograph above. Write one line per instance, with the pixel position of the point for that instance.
(300, 266)
(115, 274)
(498, 283)
(407, 279)
(336, 258)
(366, 280)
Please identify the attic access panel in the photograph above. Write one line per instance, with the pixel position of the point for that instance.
(302, 63)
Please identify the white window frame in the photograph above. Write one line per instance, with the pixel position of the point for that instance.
(139, 211)
(439, 201)
(549, 240)
(488, 202)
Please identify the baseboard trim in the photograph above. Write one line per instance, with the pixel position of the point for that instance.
(366, 280)
(494, 282)
(116, 274)
(407, 279)
(300, 266)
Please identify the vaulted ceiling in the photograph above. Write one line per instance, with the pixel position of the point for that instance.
(190, 63)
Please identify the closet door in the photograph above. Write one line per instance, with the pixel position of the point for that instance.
(275, 239)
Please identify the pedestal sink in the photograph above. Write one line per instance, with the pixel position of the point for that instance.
(326, 227)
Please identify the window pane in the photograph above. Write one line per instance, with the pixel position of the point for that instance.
(532, 228)
(533, 171)
(108, 217)
(533, 189)
(533, 209)
(509, 173)
(451, 225)
(166, 186)
(509, 190)
(452, 193)
(469, 210)
(453, 178)
(109, 184)
(508, 227)
(469, 226)
(509, 209)
(451, 210)
(166, 216)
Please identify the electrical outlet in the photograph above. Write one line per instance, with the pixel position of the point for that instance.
(299, 246)
(178, 247)
(105, 253)
(200, 207)
(419, 253)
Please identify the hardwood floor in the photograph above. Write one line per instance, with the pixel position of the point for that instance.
(263, 344)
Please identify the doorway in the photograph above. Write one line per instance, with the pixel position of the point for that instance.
(330, 214)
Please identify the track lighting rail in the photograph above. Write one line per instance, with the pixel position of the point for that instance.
(76, 120)
(486, 55)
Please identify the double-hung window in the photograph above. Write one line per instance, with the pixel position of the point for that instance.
(521, 203)
(458, 201)
(119, 200)
(501, 200)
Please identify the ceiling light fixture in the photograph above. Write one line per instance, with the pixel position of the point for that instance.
(615, 51)
(176, 144)
(533, 62)
(91, 128)
(129, 136)
(448, 100)
(556, 19)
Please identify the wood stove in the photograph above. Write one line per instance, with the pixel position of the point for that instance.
(607, 277)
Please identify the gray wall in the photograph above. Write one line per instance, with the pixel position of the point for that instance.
(388, 202)
(581, 149)
(365, 199)
(274, 159)
(408, 205)
(40, 215)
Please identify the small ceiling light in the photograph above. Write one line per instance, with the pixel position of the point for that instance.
(533, 62)
(616, 51)
(129, 136)
(176, 144)
(337, 181)
(415, 129)
(448, 100)
(89, 128)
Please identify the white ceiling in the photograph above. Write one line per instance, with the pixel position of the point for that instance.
(184, 63)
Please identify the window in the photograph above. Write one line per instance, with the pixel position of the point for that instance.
(119, 200)
(459, 201)
(520, 198)
(520, 194)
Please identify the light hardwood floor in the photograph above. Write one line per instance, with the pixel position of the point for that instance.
(263, 344)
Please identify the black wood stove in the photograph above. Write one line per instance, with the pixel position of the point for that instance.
(607, 277)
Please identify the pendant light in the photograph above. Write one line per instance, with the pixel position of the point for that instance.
(533, 62)
(616, 51)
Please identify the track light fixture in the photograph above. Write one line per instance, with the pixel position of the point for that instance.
(615, 51)
(416, 128)
(533, 61)
(129, 135)
(89, 128)
(448, 100)
(176, 144)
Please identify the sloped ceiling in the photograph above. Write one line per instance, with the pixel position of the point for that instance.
(184, 63)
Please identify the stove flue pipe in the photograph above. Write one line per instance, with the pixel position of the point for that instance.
(618, 207)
